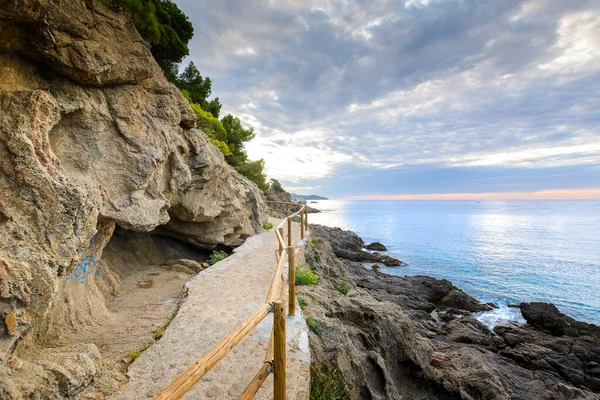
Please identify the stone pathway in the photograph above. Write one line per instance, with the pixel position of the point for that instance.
(220, 298)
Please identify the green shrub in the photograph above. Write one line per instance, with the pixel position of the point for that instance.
(306, 276)
(314, 325)
(327, 385)
(302, 302)
(138, 352)
(217, 256)
(267, 225)
(343, 288)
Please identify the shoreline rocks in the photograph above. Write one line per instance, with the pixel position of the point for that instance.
(349, 246)
(376, 246)
(546, 317)
(417, 338)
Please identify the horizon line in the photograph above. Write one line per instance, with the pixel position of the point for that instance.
(558, 194)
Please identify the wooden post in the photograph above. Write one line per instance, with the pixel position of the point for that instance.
(302, 225)
(292, 279)
(280, 351)
(306, 217)
(287, 209)
(289, 232)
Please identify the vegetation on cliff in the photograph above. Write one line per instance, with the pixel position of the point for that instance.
(162, 24)
(168, 30)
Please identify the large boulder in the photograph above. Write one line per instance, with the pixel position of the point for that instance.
(92, 137)
(548, 318)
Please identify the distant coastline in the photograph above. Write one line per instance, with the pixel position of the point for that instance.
(307, 197)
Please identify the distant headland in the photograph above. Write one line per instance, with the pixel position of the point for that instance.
(307, 197)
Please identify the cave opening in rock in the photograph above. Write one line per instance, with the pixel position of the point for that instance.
(138, 285)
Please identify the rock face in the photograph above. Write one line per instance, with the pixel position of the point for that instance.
(348, 245)
(415, 338)
(92, 137)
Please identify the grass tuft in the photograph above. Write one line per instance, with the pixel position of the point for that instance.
(343, 288)
(160, 332)
(302, 302)
(326, 385)
(138, 352)
(314, 325)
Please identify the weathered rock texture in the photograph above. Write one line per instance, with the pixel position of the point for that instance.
(415, 338)
(92, 137)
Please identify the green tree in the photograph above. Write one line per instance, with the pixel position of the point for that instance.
(162, 24)
(237, 135)
(276, 186)
(253, 170)
(199, 89)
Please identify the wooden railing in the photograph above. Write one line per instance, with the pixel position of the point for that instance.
(278, 295)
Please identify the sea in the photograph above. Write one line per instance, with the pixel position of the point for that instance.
(505, 252)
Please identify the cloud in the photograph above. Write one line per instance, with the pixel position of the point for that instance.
(401, 88)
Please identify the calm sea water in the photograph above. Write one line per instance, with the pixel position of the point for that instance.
(499, 251)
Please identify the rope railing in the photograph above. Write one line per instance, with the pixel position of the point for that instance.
(277, 296)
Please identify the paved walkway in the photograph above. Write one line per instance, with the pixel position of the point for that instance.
(220, 298)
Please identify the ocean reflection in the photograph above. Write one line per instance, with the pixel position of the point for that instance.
(500, 251)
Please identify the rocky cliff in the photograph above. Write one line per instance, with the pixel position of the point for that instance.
(416, 338)
(92, 137)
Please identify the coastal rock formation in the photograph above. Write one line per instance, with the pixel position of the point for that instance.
(376, 246)
(92, 138)
(547, 318)
(416, 338)
(311, 210)
(349, 246)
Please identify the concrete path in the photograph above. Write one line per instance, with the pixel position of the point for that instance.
(220, 298)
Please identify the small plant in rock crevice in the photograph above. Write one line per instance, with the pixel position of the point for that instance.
(138, 352)
(313, 249)
(306, 276)
(314, 325)
(302, 302)
(327, 385)
(343, 288)
(160, 332)
(217, 256)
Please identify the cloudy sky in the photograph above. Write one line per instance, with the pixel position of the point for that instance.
(426, 98)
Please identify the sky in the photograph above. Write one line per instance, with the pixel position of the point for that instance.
(411, 99)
